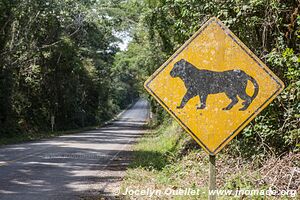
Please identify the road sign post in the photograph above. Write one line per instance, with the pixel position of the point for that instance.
(52, 123)
(213, 84)
(212, 178)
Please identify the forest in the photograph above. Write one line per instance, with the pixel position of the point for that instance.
(61, 58)
(58, 59)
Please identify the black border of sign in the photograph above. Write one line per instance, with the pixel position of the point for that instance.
(182, 48)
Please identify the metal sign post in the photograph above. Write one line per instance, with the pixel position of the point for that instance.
(212, 178)
(52, 123)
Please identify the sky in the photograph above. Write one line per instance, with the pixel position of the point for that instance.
(125, 38)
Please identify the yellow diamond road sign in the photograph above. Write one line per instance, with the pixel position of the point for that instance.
(214, 86)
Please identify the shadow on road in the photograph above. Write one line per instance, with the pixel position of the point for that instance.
(78, 166)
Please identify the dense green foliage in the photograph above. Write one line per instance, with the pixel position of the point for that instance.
(57, 60)
(60, 58)
(270, 28)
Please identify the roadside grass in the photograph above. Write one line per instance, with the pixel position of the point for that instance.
(168, 160)
(156, 164)
(157, 149)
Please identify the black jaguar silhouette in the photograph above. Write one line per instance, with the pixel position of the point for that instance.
(204, 82)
